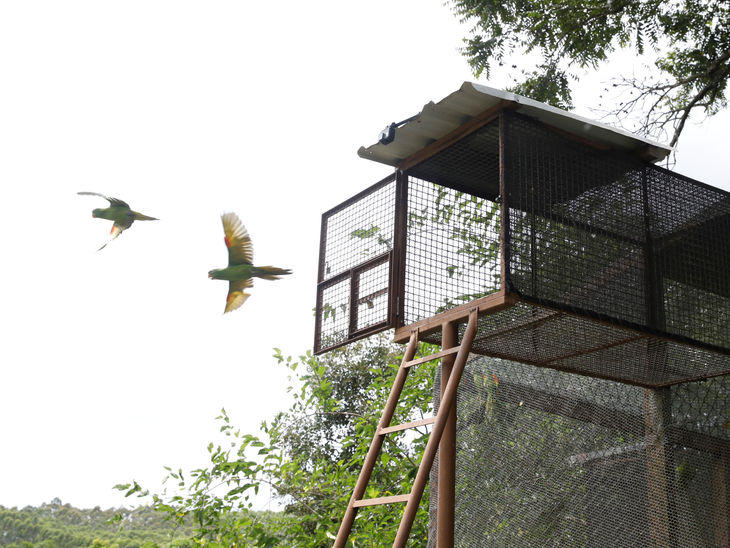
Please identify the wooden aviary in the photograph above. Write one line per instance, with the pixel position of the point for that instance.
(584, 279)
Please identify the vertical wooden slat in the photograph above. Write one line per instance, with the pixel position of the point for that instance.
(659, 470)
(720, 500)
(352, 323)
(447, 447)
(376, 445)
(400, 242)
(653, 285)
(504, 228)
(320, 278)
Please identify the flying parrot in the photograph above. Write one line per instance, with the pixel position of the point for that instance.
(119, 212)
(240, 271)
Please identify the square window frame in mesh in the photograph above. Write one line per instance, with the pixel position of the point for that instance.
(358, 252)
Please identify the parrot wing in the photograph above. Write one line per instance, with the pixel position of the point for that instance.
(117, 229)
(114, 202)
(238, 242)
(236, 296)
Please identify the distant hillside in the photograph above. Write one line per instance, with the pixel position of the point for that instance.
(58, 525)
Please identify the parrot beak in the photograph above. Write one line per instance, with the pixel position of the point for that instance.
(210, 275)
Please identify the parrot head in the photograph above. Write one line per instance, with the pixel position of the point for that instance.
(95, 213)
(211, 274)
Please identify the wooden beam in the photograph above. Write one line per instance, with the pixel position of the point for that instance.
(407, 425)
(486, 305)
(432, 357)
(381, 500)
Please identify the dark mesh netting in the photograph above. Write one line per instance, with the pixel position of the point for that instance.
(548, 458)
(577, 230)
(692, 256)
(453, 208)
(465, 230)
(546, 337)
(601, 234)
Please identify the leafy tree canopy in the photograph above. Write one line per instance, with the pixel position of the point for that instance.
(691, 39)
(58, 525)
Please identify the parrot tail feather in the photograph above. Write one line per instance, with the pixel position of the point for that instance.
(270, 272)
(140, 217)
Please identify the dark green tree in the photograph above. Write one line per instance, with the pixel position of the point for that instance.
(691, 39)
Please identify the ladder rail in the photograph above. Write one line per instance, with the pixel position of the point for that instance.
(376, 445)
(429, 454)
(440, 421)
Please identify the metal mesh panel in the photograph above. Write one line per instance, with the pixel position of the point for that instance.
(334, 319)
(372, 288)
(355, 260)
(548, 458)
(359, 230)
(465, 231)
(545, 337)
(692, 256)
(577, 232)
(453, 250)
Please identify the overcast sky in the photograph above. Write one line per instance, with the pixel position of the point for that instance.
(115, 364)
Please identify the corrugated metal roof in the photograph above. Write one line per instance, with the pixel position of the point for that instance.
(438, 119)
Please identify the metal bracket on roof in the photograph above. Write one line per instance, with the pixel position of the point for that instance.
(387, 136)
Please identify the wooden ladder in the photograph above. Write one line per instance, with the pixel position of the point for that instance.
(448, 398)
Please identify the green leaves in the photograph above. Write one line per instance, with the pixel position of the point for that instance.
(572, 36)
(372, 232)
(309, 456)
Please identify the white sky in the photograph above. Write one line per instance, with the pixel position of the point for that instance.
(115, 364)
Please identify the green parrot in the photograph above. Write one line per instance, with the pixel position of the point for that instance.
(240, 271)
(119, 212)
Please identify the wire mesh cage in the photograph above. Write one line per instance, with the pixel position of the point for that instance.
(549, 458)
(618, 267)
(595, 409)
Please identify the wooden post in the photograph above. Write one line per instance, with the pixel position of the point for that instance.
(447, 448)
(720, 470)
(504, 228)
(659, 470)
(400, 246)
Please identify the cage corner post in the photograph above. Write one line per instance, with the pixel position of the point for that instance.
(400, 242)
(504, 216)
(447, 448)
(660, 469)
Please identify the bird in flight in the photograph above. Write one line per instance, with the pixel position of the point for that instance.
(240, 271)
(119, 212)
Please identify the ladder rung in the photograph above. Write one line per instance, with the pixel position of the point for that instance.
(433, 357)
(381, 500)
(405, 426)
